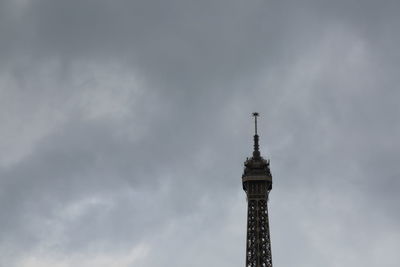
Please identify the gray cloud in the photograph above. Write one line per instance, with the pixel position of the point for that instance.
(124, 127)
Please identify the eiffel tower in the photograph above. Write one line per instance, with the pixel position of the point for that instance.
(257, 183)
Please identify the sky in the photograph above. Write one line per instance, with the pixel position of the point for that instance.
(124, 126)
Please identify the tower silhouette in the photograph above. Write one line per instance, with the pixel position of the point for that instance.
(257, 183)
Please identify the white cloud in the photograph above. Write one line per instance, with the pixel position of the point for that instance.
(128, 258)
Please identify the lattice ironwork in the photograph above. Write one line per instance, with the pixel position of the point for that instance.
(258, 251)
(264, 237)
(251, 253)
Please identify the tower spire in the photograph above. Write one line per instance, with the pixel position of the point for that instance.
(256, 152)
(255, 115)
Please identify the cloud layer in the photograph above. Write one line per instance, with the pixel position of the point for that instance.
(125, 124)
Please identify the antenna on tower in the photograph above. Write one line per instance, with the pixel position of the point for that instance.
(255, 115)
(256, 152)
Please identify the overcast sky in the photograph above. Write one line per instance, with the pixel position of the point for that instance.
(124, 126)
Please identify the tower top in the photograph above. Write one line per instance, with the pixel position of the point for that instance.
(257, 167)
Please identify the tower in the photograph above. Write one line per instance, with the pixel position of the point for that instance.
(257, 183)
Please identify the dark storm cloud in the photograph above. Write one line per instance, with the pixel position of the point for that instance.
(124, 122)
